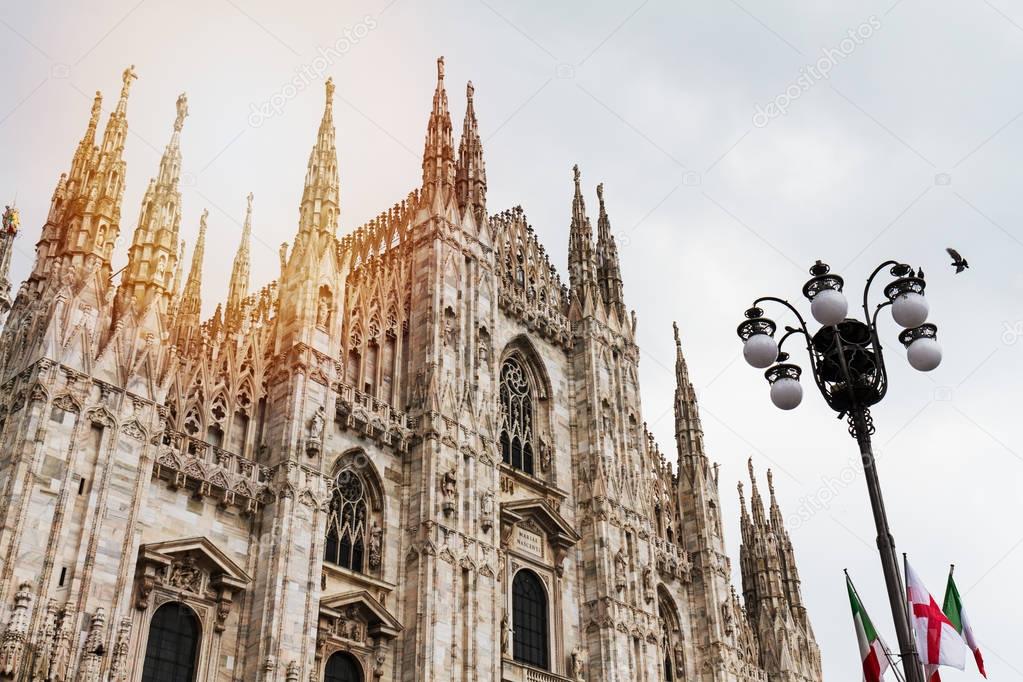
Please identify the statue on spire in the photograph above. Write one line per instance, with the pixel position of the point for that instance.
(11, 220)
(440, 68)
(330, 90)
(126, 78)
(469, 90)
(97, 105)
(182, 111)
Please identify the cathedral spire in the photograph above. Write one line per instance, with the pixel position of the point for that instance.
(238, 288)
(438, 154)
(581, 265)
(49, 246)
(90, 222)
(190, 303)
(608, 270)
(321, 195)
(688, 428)
(84, 152)
(470, 172)
(756, 502)
(153, 254)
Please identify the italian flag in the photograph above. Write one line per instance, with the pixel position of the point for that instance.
(872, 649)
(937, 641)
(953, 608)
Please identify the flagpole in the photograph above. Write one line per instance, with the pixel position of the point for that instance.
(887, 654)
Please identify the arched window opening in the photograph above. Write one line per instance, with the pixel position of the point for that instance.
(529, 620)
(173, 647)
(672, 643)
(516, 416)
(346, 522)
(342, 667)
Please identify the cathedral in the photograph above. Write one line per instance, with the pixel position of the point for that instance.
(413, 454)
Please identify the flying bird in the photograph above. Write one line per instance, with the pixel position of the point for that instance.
(958, 262)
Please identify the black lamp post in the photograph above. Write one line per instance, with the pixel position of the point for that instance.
(848, 368)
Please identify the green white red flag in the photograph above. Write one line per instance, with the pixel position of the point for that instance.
(953, 608)
(937, 641)
(872, 648)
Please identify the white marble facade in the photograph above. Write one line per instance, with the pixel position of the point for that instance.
(414, 455)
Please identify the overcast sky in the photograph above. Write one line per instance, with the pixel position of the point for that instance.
(910, 142)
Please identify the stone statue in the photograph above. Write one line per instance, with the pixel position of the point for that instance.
(578, 662)
(449, 484)
(620, 566)
(186, 575)
(680, 657)
(11, 220)
(182, 105)
(505, 633)
(322, 312)
(317, 423)
(376, 539)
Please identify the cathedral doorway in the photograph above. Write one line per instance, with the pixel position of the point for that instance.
(173, 647)
(342, 667)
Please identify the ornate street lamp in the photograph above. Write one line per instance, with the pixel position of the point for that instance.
(848, 368)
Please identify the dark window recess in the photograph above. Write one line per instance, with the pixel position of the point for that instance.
(342, 667)
(529, 620)
(171, 652)
(81, 486)
(63, 576)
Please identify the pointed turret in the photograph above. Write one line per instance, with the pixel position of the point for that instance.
(688, 428)
(50, 245)
(190, 303)
(470, 173)
(321, 195)
(771, 591)
(238, 288)
(789, 571)
(438, 154)
(91, 222)
(609, 274)
(153, 254)
(581, 261)
(84, 152)
(176, 288)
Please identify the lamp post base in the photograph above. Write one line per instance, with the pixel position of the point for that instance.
(861, 427)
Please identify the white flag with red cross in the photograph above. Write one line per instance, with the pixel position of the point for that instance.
(937, 640)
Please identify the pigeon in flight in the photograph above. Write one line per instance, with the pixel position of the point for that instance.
(958, 262)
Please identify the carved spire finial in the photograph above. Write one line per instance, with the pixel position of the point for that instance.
(182, 111)
(97, 105)
(126, 78)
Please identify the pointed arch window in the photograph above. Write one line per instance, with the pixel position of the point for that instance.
(516, 397)
(173, 647)
(346, 521)
(530, 620)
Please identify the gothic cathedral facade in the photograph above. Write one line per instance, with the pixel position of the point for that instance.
(414, 455)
